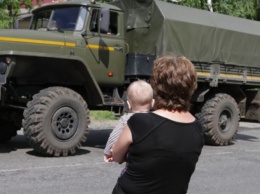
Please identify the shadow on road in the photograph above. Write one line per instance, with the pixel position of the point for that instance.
(246, 137)
(17, 142)
(95, 138)
(246, 127)
(79, 152)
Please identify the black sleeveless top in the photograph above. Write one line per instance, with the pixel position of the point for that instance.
(162, 157)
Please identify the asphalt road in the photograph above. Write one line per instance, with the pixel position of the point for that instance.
(233, 169)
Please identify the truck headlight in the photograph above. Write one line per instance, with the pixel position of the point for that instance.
(3, 67)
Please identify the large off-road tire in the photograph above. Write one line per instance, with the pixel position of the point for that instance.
(7, 130)
(56, 121)
(220, 119)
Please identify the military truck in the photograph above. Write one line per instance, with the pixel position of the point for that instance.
(81, 55)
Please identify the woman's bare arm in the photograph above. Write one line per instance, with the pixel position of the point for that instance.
(120, 148)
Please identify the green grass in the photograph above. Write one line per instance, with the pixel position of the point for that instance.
(102, 115)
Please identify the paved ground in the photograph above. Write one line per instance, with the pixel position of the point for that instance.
(231, 169)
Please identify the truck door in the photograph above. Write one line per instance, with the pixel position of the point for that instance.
(106, 46)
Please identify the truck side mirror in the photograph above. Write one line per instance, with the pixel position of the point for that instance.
(23, 21)
(104, 20)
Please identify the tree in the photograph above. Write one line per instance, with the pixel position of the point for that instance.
(9, 9)
(209, 4)
(249, 9)
(237, 8)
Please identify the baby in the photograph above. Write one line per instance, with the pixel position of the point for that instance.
(139, 100)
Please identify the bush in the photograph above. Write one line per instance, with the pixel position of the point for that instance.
(102, 115)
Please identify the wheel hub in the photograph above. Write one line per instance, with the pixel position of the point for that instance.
(64, 123)
(225, 121)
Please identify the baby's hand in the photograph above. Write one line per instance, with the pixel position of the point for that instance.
(108, 159)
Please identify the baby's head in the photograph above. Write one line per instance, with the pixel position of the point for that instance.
(140, 96)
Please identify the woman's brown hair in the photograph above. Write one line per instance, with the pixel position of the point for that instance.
(174, 81)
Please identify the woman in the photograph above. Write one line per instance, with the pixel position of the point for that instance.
(162, 147)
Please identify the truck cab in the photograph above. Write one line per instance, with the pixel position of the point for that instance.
(74, 55)
(93, 32)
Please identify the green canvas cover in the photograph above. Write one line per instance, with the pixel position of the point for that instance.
(157, 27)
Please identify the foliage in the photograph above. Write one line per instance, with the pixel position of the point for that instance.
(249, 9)
(9, 9)
(200, 4)
(102, 115)
(4, 18)
(238, 8)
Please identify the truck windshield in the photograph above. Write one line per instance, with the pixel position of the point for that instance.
(60, 19)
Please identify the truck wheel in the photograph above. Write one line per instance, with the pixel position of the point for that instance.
(220, 118)
(56, 121)
(8, 130)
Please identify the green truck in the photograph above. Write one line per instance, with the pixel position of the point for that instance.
(81, 55)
